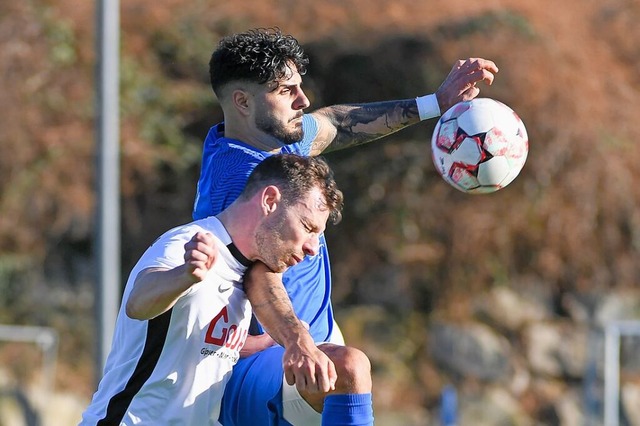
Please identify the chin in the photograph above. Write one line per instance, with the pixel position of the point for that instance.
(297, 134)
(293, 137)
(284, 266)
(279, 267)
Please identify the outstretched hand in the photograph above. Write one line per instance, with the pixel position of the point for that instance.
(461, 83)
(309, 369)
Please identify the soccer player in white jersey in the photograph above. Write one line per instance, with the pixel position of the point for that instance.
(185, 316)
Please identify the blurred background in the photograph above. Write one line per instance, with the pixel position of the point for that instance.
(497, 305)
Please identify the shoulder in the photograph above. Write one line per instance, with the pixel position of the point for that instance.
(167, 251)
(230, 159)
(223, 152)
(180, 234)
(305, 146)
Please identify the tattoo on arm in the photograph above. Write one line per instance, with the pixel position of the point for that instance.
(362, 123)
(279, 304)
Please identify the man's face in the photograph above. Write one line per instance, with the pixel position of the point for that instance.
(279, 112)
(292, 232)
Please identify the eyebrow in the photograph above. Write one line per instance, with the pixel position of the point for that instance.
(308, 223)
(281, 84)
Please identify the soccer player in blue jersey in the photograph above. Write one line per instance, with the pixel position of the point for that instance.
(257, 78)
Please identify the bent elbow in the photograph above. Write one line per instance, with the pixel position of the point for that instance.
(133, 311)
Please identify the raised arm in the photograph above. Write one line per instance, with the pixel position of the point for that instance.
(344, 126)
(304, 364)
(156, 290)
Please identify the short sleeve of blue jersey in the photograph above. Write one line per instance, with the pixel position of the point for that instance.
(303, 147)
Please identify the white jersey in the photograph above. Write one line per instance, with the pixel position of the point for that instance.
(172, 369)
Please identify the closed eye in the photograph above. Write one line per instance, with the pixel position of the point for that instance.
(309, 227)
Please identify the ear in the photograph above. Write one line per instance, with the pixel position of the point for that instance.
(271, 197)
(241, 101)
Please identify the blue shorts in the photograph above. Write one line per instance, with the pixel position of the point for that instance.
(253, 396)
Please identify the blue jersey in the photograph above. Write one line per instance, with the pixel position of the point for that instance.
(226, 166)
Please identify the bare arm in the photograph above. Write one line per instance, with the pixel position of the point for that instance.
(344, 126)
(304, 364)
(156, 290)
(255, 344)
(272, 306)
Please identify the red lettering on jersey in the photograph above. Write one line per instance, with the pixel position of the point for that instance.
(232, 334)
(239, 342)
(210, 338)
(232, 337)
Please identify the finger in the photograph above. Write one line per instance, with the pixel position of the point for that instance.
(301, 388)
(203, 244)
(469, 81)
(470, 93)
(205, 237)
(208, 246)
(192, 244)
(197, 267)
(332, 374)
(309, 376)
(486, 76)
(488, 65)
(473, 64)
(196, 272)
(301, 383)
(198, 255)
(459, 64)
(290, 377)
(200, 240)
(200, 251)
(322, 379)
(478, 75)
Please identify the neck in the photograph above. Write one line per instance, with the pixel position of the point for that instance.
(240, 230)
(256, 139)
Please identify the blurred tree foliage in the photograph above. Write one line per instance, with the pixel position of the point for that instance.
(408, 242)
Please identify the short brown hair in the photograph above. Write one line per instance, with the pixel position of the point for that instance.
(295, 176)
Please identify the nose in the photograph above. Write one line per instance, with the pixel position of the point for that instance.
(312, 246)
(301, 102)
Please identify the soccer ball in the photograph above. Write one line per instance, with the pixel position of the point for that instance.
(479, 146)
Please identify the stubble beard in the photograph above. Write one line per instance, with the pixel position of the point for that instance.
(269, 244)
(271, 126)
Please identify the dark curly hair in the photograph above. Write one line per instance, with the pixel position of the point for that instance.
(258, 55)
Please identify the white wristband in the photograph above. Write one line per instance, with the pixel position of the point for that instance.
(428, 106)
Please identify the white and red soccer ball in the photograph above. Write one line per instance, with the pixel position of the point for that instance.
(479, 146)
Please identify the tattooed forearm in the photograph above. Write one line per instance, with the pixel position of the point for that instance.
(272, 306)
(277, 316)
(360, 124)
(276, 301)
